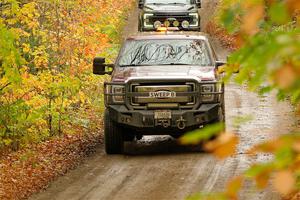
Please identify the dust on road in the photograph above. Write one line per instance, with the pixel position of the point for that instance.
(158, 168)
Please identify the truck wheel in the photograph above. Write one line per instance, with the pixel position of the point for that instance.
(114, 142)
(221, 116)
(221, 112)
(129, 136)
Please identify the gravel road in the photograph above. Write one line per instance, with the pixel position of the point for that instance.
(158, 168)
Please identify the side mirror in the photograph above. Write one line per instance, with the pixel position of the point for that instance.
(220, 66)
(198, 3)
(141, 4)
(220, 63)
(99, 66)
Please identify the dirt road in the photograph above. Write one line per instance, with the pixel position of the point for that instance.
(158, 168)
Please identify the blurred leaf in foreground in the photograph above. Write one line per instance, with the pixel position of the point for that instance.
(223, 146)
(234, 186)
(284, 182)
(199, 135)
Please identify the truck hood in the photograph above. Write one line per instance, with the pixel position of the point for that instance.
(169, 8)
(198, 73)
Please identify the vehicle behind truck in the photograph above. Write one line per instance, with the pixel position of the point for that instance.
(160, 85)
(180, 14)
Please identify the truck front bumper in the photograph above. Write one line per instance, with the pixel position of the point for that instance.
(196, 29)
(181, 119)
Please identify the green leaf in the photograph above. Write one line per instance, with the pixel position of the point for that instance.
(278, 13)
(199, 135)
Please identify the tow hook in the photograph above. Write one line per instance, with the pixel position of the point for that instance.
(163, 123)
(181, 123)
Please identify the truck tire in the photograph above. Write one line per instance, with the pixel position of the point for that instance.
(128, 135)
(113, 137)
(140, 29)
(221, 114)
(223, 118)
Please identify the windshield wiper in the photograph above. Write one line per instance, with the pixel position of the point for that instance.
(174, 64)
(129, 65)
(153, 64)
(156, 4)
(176, 3)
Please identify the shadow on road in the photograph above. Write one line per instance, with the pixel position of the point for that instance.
(152, 145)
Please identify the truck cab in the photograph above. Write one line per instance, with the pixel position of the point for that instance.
(180, 14)
(162, 84)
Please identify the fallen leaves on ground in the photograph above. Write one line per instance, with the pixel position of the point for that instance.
(27, 171)
(229, 41)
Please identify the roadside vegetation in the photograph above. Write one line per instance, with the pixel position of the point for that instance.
(50, 104)
(265, 37)
(48, 94)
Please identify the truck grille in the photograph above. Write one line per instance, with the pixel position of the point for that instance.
(163, 95)
(164, 16)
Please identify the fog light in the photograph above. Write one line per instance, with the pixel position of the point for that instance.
(157, 24)
(128, 120)
(176, 23)
(185, 24)
(167, 23)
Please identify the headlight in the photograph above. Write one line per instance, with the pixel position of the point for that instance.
(157, 24)
(185, 24)
(118, 89)
(167, 23)
(207, 89)
(147, 19)
(195, 19)
(176, 23)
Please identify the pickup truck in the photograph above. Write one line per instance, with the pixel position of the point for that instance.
(161, 84)
(180, 14)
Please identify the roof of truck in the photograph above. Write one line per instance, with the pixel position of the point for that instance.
(168, 35)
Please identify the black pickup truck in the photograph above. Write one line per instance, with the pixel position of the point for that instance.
(181, 14)
(160, 84)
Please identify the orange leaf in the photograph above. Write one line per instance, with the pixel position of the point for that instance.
(233, 187)
(268, 147)
(262, 180)
(284, 182)
(223, 146)
(250, 20)
(285, 76)
(293, 5)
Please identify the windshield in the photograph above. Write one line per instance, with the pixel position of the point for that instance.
(165, 52)
(168, 2)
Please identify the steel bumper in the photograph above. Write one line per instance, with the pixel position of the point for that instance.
(145, 118)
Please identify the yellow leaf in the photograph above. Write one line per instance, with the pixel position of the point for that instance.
(221, 69)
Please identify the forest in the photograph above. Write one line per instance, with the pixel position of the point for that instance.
(49, 97)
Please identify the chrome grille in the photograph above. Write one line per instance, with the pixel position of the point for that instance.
(144, 99)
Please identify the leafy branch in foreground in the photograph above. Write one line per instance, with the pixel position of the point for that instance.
(267, 35)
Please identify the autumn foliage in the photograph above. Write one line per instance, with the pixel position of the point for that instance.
(50, 103)
(46, 48)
